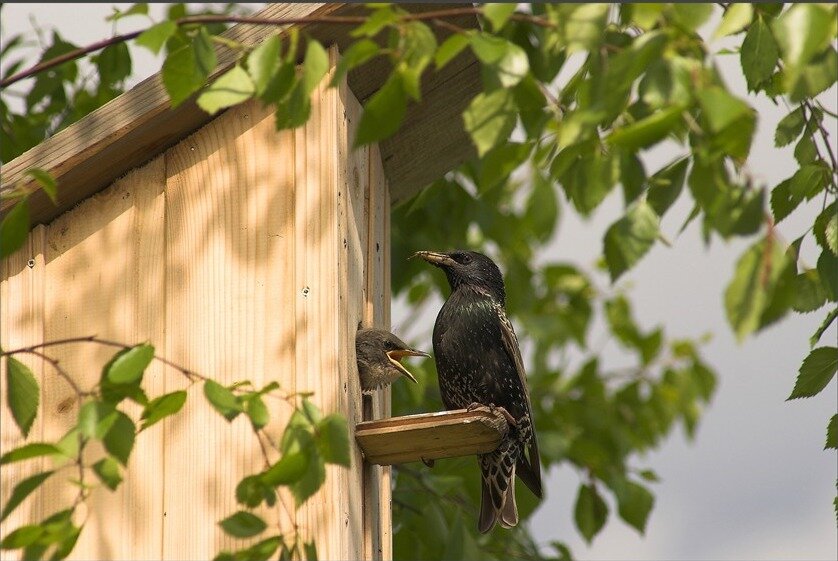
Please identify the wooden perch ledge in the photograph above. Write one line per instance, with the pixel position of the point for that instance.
(430, 436)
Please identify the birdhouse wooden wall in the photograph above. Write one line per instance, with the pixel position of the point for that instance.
(239, 253)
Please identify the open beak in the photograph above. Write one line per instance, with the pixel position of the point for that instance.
(438, 259)
(396, 355)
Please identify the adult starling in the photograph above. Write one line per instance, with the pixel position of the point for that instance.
(479, 363)
(378, 353)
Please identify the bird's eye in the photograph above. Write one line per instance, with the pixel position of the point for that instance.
(466, 259)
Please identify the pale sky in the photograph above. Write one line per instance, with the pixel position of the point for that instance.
(756, 483)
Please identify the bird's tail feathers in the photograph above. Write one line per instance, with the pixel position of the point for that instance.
(497, 497)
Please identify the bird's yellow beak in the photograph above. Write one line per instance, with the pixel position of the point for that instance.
(438, 259)
(396, 355)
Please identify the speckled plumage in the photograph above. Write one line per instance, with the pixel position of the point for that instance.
(478, 361)
(377, 353)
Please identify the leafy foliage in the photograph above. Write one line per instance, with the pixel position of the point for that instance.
(641, 75)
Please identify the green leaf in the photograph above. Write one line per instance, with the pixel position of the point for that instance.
(815, 78)
(383, 113)
(635, 503)
(381, 17)
(252, 491)
(187, 68)
(222, 400)
(22, 537)
(67, 448)
(542, 209)
(783, 202)
(722, 109)
(590, 512)
(805, 151)
(497, 14)
(450, 48)
(140, 9)
(816, 372)
(119, 441)
(418, 45)
(315, 66)
(289, 469)
(129, 366)
(162, 407)
(333, 439)
(750, 291)
(827, 265)
(23, 490)
(47, 182)
(789, 127)
(506, 59)
(809, 294)
(243, 524)
(803, 31)
(156, 36)
(96, 418)
(357, 54)
(31, 450)
(648, 131)
(310, 549)
(808, 181)
(826, 228)
(113, 63)
(107, 470)
(584, 26)
(630, 238)
(832, 433)
(827, 321)
(231, 88)
(632, 176)
(263, 63)
(692, 16)
(14, 228)
(758, 54)
(649, 475)
(666, 185)
(257, 411)
(22, 394)
(736, 18)
(490, 119)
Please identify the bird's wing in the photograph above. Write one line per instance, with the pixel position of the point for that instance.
(529, 472)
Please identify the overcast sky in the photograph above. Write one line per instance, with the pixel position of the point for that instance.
(756, 483)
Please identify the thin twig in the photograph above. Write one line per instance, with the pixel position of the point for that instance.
(106, 342)
(824, 137)
(54, 363)
(336, 20)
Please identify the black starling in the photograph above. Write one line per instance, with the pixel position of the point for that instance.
(479, 362)
(378, 353)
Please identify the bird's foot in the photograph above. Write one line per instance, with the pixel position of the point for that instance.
(494, 409)
(429, 463)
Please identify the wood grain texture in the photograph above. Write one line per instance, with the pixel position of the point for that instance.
(229, 212)
(138, 125)
(431, 436)
(22, 278)
(240, 253)
(108, 252)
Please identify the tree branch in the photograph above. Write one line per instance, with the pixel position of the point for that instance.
(255, 20)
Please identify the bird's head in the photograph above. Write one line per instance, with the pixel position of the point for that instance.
(468, 269)
(379, 353)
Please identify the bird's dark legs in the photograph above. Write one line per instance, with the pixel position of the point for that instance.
(429, 463)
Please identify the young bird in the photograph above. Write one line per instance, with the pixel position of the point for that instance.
(479, 363)
(378, 353)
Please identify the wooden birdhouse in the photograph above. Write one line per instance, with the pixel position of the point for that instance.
(240, 252)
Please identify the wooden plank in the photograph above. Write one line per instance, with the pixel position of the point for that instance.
(133, 128)
(229, 228)
(22, 277)
(106, 252)
(353, 183)
(430, 436)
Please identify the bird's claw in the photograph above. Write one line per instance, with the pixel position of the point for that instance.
(429, 463)
(494, 409)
